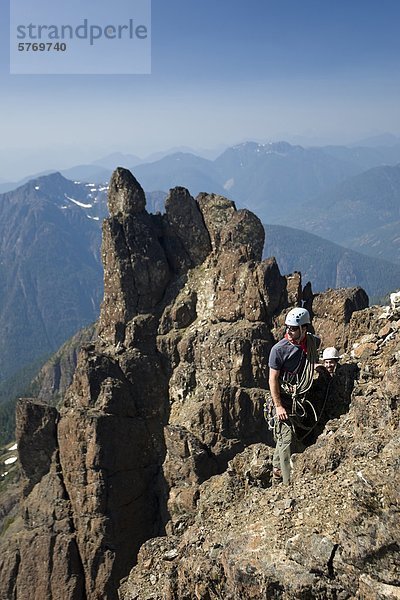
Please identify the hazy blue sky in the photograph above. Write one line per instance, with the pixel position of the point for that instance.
(223, 71)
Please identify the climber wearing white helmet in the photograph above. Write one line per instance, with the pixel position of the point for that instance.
(291, 370)
(330, 360)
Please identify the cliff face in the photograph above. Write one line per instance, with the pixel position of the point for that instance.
(173, 379)
(165, 405)
(332, 534)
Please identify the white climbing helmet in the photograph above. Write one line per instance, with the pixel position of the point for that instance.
(297, 317)
(330, 353)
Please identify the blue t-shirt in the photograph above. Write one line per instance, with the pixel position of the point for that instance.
(288, 358)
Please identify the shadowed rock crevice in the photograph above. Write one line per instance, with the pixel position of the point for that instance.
(331, 570)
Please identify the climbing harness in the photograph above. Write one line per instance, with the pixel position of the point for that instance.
(269, 410)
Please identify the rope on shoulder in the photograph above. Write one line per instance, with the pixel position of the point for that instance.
(305, 379)
(298, 392)
(303, 385)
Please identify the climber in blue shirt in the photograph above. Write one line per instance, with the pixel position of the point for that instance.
(291, 370)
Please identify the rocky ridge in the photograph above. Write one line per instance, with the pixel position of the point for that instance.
(159, 449)
(333, 533)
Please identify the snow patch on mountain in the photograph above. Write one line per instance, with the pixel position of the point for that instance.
(78, 203)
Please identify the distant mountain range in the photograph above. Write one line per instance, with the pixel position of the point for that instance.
(381, 139)
(328, 265)
(50, 271)
(362, 213)
(264, 177)
(271, 179)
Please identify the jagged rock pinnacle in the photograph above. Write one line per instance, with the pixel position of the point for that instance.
(126, 195)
